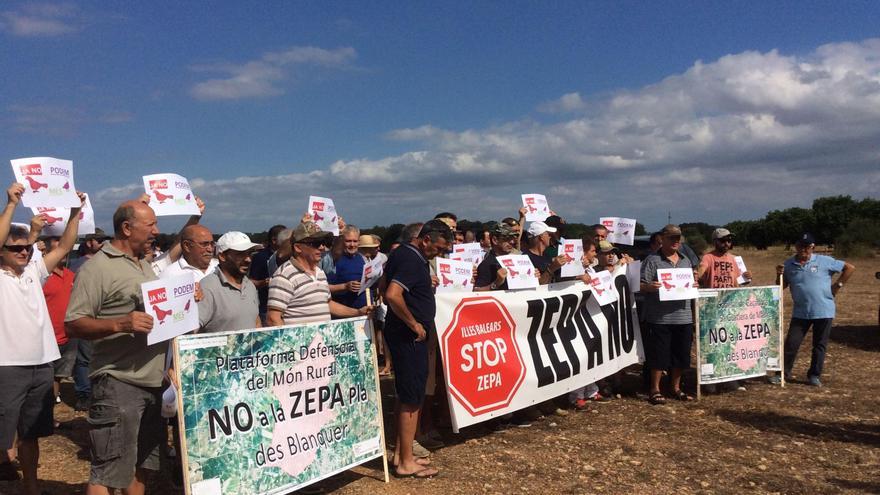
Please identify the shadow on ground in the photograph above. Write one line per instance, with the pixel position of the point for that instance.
(852, 432)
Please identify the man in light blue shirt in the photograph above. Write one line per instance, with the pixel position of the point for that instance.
(809, 277)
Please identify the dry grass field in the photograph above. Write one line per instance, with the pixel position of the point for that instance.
(764, 440)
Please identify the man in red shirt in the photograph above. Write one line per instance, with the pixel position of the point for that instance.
(57, 289)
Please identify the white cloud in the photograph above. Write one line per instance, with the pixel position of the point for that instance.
(60, 119)
(723, 140)
(41, 20)
(263, 77)
(569, 102)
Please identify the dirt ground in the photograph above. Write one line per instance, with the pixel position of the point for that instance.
(767, 439)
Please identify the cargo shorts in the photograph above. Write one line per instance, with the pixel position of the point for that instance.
(127, 431)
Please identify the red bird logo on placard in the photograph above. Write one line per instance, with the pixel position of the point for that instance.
(599, 290)
(333, 220)
(188, 196)
(50, 220)
(532, 209)
(161, 313)
(162, 197)
(625, 232)
(446, 281)
(668, 286)
(513, 273)
(687, 284)
(568, 259)
(466, 281)
(66, 186)
(186, 308)
(36, 186)
(318, 218)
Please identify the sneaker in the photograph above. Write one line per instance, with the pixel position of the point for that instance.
(8, 472)
(419, 450)
(580, 404)
(560, 412)
(814, 381)
(777, 379)
(599, 398)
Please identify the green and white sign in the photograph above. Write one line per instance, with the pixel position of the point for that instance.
(739, 333)
(268, 411)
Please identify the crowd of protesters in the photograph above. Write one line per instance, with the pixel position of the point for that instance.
(86, 320)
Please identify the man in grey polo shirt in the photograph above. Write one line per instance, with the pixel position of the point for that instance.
(229, 298)
(106, 307)
(670, 323)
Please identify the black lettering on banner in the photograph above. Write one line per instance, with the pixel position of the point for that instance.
(625, 313)
(589, 332)
(568, 330)
(535, 312)
(610, 312)
(548, 336)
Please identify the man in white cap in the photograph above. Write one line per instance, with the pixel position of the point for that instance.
(539, 241)
(229, 298)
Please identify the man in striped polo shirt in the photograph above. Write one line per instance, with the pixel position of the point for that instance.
(298, 292)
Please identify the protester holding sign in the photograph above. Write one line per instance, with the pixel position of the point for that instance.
(490, 274)
(410, 296)
(197, 245)
(106, 306)
(812, 291)
(671, 323)
(539, 241)
(229, 298)
(345, 284)
(27, 339)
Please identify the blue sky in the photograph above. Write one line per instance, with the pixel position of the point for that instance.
(398, 111)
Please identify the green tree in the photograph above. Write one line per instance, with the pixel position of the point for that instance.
(831, 215)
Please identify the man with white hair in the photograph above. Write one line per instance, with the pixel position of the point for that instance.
(27, 339)
(345, 283)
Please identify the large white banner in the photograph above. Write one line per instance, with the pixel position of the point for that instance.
(506, 350)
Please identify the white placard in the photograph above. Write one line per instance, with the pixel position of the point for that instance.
(48, 182)
(677, 284)
(371, 274)
(171, 302)
(537, 208)
(170, 194)
(634, 275)
(323, 213)
(521, 274)
(56, 219)
(620, 230)
(602, 286)
(573, 250)
(742, 269)
(455, 275)
(470, 252)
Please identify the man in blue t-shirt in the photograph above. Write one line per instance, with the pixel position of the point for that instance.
(345, 282)
(809, 277)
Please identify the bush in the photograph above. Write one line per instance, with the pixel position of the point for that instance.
(860, 239)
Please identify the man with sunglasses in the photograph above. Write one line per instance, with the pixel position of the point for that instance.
(299, 292)
(197, 247)
(27, 339)
(718, 269)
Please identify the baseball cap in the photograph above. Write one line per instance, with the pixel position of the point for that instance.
(806, 238)
(309, 230)
(99, 235)
(554, 221)
(504, 230)
(606, 247)
(538, 228)
(671, 229)
(366, 241)
(721, 233)
(236, 241)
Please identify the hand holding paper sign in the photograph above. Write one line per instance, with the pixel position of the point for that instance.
(170, 194)
(13, 193)
(677, 284)
(134, 322)
(536, 207)
(323, 213)
(48, 182)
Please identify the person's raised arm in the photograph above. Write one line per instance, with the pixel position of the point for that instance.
(68, 237)
(175, 251)
(13, 196)
(37, 224)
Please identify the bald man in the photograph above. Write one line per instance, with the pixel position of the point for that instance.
(126, 374)
(197, 246)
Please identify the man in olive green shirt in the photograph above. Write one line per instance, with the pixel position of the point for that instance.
(126, 374)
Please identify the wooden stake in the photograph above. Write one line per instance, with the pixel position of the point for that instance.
(378, 390)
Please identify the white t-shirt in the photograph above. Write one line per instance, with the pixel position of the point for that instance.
(180, 267)
(26, 334)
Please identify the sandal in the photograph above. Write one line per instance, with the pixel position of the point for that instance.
(657, 399)
(680, 395)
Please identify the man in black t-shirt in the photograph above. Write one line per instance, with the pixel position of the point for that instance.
(411, 311)
(490, 274)
(539, 241)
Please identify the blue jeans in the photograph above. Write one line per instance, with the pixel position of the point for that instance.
(81, 382)
(797, 330)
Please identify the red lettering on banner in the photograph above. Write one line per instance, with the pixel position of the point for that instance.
(665, 276)
(318, 206)
(608, 223)
(32, 169)
(157, 296)
(444, 268)
(158, 184)
(484, 366)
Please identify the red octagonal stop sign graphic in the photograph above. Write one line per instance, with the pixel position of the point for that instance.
(484, 367)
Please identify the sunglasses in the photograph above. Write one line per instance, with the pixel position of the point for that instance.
(17, 248)
(318, 243)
